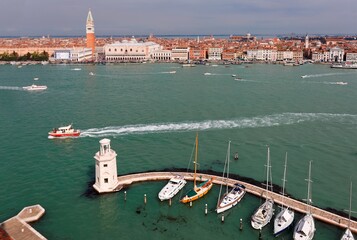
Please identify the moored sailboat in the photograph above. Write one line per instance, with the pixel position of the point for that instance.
(305, 228)
(286, 216)
(348, 234)
(231, 198)
(201, 189)
(265, 212)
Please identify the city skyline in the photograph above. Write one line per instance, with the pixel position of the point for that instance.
(159, 17)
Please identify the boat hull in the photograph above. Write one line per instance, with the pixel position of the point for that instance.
(305, 228)
(63, 135)
(283, 221)
(231, 199)
(171, 188)
(200, 192)
(347, 235)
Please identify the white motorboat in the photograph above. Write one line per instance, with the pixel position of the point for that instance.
(91, 74)
(305, 228)
(265, 212)
(174, 185)
(304, 76)
(231, 198)
(207, 74)
(34, 87)
(341, 83)
(285, 217)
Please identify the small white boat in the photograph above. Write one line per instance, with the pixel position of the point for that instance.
(34, 87)
(305, 228)
(76, 69)
(265, 212)
(347, 235)
(231, 198)
(207, 74)
(172, 188)
(233, 75)
(172, 72)
(341, 83)
(304, 76)
(91, 74)
(285, 217)
(36, 78)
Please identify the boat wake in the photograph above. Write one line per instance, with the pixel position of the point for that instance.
(11, 88)
(254, 122)
(322, 75)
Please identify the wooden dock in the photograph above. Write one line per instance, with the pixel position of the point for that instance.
(17, 227)
(298, 206)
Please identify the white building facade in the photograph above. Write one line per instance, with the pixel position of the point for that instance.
(106, 177)
(180, 53)
(130, 51)
(336, 54)
(161, 55)
(73, 55)
(215, 53)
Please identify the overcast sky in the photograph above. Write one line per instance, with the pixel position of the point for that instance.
(168, 17)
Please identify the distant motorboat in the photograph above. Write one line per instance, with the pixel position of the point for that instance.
(207, 74)
(77, 69)
(91, 74)
(62, 132)
(304, 76)
(233, 75)
(34, 87)
(345, 66)
(172, 72)
(341, 83)
(36, 78)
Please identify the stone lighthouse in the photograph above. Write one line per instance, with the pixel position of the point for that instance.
(106, 178)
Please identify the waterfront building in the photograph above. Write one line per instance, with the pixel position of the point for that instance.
(72, 55)
(90, 33)
(180, 53)
(351, 56)
(106, 177)
(215, 53)
(317, 56)
(336, 54)
(130, 51)
(161, 55)
(298, 56)
(262, 54)
(285, 56)
(198, 54)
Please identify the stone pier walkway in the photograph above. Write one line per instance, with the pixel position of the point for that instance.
(298, 206)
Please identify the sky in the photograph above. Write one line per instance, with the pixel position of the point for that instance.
(177, 17)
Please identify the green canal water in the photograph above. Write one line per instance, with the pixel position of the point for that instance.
(151, 118)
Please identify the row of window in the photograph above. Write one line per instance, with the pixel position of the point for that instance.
(126, 50)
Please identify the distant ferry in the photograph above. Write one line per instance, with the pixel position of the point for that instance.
(345, 66)
(34, 87)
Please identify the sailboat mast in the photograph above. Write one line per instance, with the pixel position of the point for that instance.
(349, 212)
(284, 179)
(228, 158)
(195, 163)
(309, 189)
(268, 164)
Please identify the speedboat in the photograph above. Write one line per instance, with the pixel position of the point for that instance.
(91, 74)
(231, 199)
(34, 87)
(172, 72)
(341, 83)
(305, 229)
(304, 76)
(207, 74)
(174, 185)
(63, 132)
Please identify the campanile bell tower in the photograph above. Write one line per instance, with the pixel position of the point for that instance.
(90, 33)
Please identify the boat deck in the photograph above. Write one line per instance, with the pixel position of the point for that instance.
(319, 214)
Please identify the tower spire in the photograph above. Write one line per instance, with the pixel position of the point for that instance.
(90, 33)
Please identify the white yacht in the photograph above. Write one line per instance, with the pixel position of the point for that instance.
(232, 197)
(347, 235)
(286, 216)
(305, 228)
(174, 185)
(265, 212)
